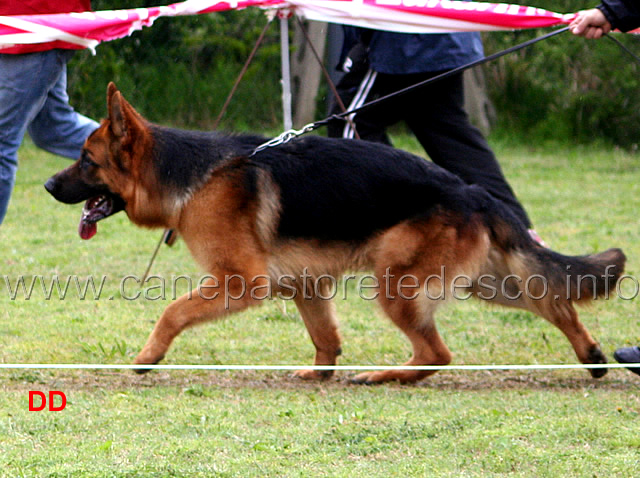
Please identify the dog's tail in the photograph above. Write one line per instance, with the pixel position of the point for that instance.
(580, 278)
(573, 278)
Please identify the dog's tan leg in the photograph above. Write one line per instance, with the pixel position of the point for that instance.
(212, 300)
(320, 319)
(548, 301)
(412, 254)
(565, 317)
(415, 319)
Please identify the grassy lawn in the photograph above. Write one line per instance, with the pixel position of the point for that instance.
(250, 423)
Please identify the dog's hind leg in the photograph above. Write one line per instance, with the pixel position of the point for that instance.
(546, 296)
(415, 319)
(439, 248)
(320, 319)
(565, 317)
(562, 313)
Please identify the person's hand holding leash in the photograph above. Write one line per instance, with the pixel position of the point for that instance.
(590, 24)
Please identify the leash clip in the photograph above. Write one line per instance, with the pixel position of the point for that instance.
(284, 137)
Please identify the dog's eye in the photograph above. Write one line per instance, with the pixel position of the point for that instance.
(85, 161)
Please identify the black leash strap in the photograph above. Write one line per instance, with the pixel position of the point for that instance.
(623, 46)
(444, 75)
(292, 133)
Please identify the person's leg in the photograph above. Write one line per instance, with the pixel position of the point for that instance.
(365, 122)
(57, 127)
(24, 82)
(372, 123)
(437, 117)
(358, 86)
(355, 88)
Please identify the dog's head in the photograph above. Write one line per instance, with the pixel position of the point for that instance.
(111, 169)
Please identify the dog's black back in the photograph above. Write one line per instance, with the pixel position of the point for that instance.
(348, 189)
(330, 189)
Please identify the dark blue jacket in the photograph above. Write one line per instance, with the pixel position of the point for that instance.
(622, 14)
(406, 53)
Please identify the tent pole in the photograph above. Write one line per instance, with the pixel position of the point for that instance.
(286, 73)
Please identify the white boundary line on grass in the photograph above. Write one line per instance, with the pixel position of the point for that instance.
(70, 366)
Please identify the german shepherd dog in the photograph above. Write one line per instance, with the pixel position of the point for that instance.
(315, 207)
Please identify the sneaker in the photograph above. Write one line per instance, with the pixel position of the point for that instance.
(628, 355)
(537, 239)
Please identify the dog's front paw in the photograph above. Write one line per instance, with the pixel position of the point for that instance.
(367, 378)
(142, 360)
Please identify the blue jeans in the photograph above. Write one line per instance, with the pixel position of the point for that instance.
(33, 98)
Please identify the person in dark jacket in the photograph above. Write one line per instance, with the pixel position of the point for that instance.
(623, 15)
(377, 63)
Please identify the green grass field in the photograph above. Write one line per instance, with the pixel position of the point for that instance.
(267, 424)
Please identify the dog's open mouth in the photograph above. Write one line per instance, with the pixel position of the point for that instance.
(95, 209)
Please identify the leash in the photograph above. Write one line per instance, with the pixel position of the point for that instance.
(623, 47)
(290, 134)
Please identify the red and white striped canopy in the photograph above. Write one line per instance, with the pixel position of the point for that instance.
(88, 29)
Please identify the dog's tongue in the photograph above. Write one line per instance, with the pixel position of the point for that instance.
(94, 209)
(87, 229)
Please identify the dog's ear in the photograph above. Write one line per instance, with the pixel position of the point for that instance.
(116, 114)
(125, 123)
(111, 89)
(124, 120)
